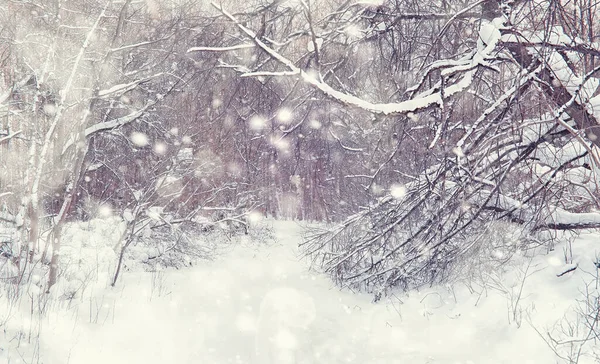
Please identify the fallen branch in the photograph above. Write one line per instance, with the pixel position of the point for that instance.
(570, 269)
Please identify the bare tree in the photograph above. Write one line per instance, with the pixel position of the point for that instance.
(101, 67)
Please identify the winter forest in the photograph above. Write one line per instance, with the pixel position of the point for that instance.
(299, 181)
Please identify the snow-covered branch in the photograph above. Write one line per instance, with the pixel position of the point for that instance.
(115, 123)
(137, 45)
(8, 136)
(120, 89)
(220, 49)
(565, 220)
(345, 147)
(421, 101)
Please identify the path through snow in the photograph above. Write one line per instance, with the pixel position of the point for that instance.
(263, 299)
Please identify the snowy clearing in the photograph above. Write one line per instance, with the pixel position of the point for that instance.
(262, 305)
(157, 156)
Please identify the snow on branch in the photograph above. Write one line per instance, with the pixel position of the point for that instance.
(111, 124)
(137, 45)
(220, 49)
(268, 74)
(556, 219)
(421, 101)
(345, 147)
(5, 137)
(560, 80)
(115, 123)
(125, 87)
(435, 16)
(565, 220)
(496, 105)
(577, 47)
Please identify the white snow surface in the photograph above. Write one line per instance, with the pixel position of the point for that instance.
(262, 305)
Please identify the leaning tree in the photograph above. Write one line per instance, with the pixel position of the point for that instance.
(491, 106)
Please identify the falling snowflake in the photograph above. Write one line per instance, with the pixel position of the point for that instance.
(285, 115)
(105, 210)
(139, 139)
(50, 109)
(254, 217)
(280, 144)
(186, 139)
(315, 124)
(397, 191)
(257, 123)
(160, 148)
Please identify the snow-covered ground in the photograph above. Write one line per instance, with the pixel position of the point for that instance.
(260, 304)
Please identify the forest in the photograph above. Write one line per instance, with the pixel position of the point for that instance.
(420, 143)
